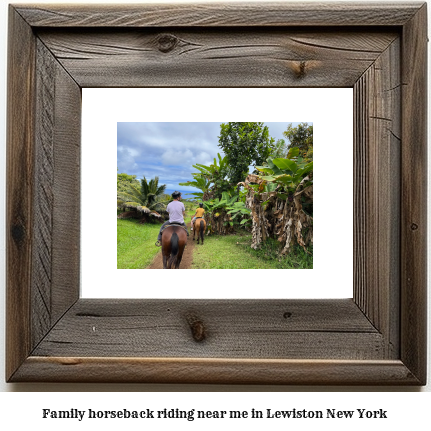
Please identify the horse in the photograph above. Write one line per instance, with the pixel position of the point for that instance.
(174, 239)
(201, 225)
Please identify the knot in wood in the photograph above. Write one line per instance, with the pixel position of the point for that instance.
(167, 42)
(299, 68)
(414, 226)
(301, 71)
(197, 328)
(18, 233)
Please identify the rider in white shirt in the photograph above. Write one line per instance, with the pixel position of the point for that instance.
(177, 211)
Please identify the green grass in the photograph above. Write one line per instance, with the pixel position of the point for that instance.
(135, 244)
(189, 214)
(234, 252)
(136, 249)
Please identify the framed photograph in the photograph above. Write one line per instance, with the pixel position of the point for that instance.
(144, 139)
(377, 337)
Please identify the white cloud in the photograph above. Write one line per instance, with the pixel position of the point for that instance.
(204, 158)
(177, 157)
(126, 158)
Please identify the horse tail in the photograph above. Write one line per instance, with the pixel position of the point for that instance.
(174, 251)
(201, 232)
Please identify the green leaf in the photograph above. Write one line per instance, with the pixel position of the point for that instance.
(284, 179)
(286, 164)
(265, 170)
(301, 172)
(271, 186)
(293, 152)
(268, 178)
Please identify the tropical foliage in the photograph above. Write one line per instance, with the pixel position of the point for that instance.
(145, 197)
(301, 137)
(211, 180)
(274, 203)
(217, 216)
(217, 193)
(245, 144)
(278, 199)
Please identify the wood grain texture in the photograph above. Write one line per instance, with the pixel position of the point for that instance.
(377, 148)
(67, 199)
(216, 15)
(19, 199)
(55, 280)
(414, 195)
(215, 371)
(268, 329)
(43, 194)
(210, 57)
(378, 338)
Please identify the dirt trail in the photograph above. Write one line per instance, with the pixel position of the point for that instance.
(187, 259)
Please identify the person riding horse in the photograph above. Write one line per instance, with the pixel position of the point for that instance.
(198, 214)
(176, 211)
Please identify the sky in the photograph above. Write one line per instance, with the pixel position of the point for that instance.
(169, 150)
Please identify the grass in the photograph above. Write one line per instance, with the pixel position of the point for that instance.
(135, 244)
(296, 259)
(234, 252)
(136, 250)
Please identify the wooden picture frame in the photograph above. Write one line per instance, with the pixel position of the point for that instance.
(376, 338)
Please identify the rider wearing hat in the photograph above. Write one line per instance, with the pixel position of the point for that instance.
(176, 211)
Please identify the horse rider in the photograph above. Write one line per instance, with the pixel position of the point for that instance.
(198, 214)
(176, 211)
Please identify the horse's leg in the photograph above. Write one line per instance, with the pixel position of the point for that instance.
(174, 250)
(194, 232)
(182, 246)
(166, 252)
(202, 232)
(177, 263)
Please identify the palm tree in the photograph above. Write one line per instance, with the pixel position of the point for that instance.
(145, 198)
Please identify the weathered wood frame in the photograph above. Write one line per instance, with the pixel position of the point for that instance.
(378, 337)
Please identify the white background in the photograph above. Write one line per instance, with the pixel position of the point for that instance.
(330, 111)
(406, 408)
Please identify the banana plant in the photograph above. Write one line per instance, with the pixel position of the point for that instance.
(214, 169)
(220, 203)
(286, 172)
(200, 183)
(240, 211)
(209, 178)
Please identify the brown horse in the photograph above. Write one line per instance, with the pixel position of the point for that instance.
(199, 227)
(174, 239)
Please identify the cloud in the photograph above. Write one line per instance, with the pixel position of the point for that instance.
(126, 158)
(204, 158)
(169, 150)
(177, 157)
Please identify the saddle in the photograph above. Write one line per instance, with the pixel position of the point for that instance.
(174, 224)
